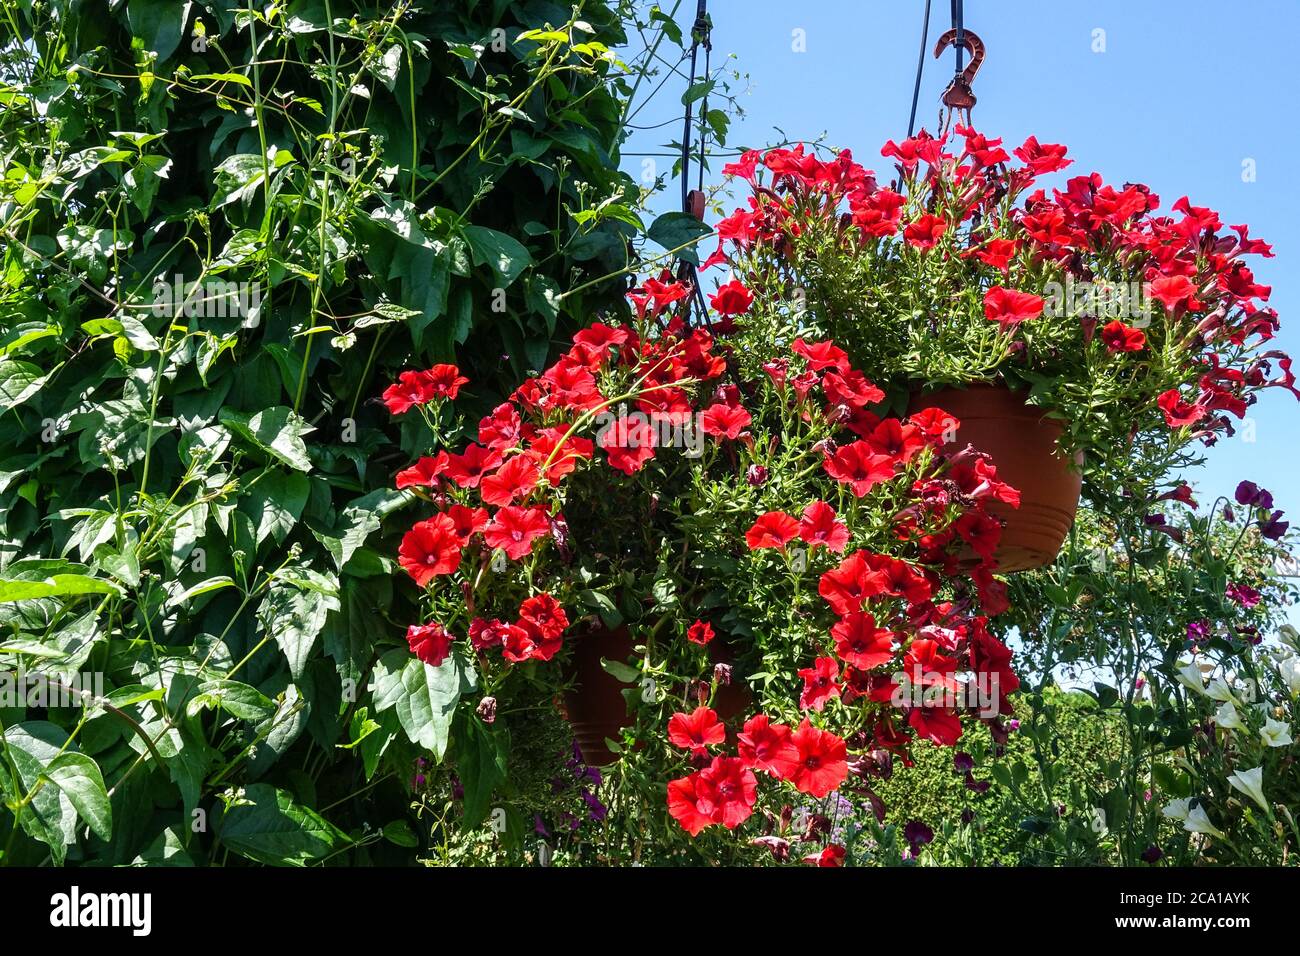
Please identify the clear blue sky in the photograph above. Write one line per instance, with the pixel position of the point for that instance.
(1184, 92)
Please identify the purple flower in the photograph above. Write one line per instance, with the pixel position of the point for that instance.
(917, 835)
(1246, 596)
(418, 781)
(1152, 854)
(1198, 631)
(1271, 527)
(1250, 494)
(1014, 724)
(595, 809)
(1228, 514)
(978, 786)
(457, 788)
(962, 762)
(539, 827)
(755, 475)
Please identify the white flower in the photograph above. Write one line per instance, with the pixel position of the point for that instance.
(1275, 733)
(1198, 822)
(1227, 717)
(1177, 809)
(1289, 669)
(1251, 783)
(1219, 690)
(1189, 675)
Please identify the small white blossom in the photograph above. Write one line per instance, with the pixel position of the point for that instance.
(1275, 733)
(1177, 809)
(1227, 717)
(1251, 783)
(1199, 822)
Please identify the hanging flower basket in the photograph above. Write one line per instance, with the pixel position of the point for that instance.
(1023, 445)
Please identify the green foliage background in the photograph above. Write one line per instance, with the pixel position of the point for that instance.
(198, 505)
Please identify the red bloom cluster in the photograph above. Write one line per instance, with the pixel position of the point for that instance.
(1186, 260)
(419, 388)
(814, 761)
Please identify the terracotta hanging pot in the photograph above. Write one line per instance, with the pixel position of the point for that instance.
(595, 706)
(1022, 444)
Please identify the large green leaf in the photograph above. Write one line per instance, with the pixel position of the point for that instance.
(19, 381)
(276, 431)
(294, 615)
(81, 782)
(673, 230)
(504, 255)
(266, 825)
(425, 697)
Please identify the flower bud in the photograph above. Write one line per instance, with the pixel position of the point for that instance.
(487, 709)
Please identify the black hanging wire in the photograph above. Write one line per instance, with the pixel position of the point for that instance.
(701, 36)
(920, 68)
(958, 24)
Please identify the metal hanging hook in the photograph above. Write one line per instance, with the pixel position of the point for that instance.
(958, 96)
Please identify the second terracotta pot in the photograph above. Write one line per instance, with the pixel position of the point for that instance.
(596, 707)
(1022, 444)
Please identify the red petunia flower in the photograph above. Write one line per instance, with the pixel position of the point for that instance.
(1009, 307)
(822, 355)
(937, 426)
(846, 587)
(939, 725)
(859, 466)
(731, 299)
(563, 457)
(701, 632)
(446, 381)
(485, 635)
(832, 856)
(1042, 158)
(823, 763)
(767, 746)
(629, 442)
(724, 421)
(512, 481)
(1119, 337)
(775, 529)
(410, 389)
(424, 473)
(925, 231)
(724, 792)
(850, 388)
(820, 683)
(1173, 292)
(429, 549)
(697, 730)
(690, 802)
(468, 521)
(996, 253)
(600, 337)
(502, 429)
(514, 530)
(518, 644)
(819, 526)
(898, 441)
(859, 642)
(1179, 413)
(469, 467)
(544, 614)
(429, 642)
(982, 532)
